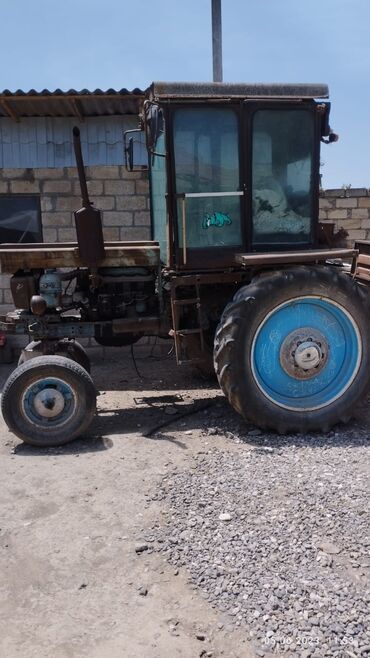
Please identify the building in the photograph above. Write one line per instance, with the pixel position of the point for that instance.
(39, 187)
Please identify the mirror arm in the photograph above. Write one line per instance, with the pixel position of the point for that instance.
(160, 155)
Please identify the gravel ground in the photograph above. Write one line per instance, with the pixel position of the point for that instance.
(264, 536)
(274, 533)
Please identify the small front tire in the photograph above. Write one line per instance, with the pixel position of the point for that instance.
(48, 401)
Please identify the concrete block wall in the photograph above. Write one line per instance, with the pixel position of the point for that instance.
(348, 209)
(123, 198)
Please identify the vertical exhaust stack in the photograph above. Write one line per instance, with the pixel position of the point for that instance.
(88, 219)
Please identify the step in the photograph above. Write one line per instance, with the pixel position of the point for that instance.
(187, 332)
(186, 302)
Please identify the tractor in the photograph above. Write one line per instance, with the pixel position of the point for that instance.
(239, 272)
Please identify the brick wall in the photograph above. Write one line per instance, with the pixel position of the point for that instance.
(348, 209)
(123, 198)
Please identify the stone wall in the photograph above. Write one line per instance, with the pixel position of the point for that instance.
(122, 196)
(348, 209)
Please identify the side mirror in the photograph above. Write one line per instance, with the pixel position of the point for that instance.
(129, 154)
(128, 142)
(154, 126)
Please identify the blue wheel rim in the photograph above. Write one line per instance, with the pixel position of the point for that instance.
(339, 354)
(48, 403)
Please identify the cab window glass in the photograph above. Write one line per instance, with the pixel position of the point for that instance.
(282, 158)
(206, 148)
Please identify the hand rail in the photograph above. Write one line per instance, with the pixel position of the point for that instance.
(190, 195)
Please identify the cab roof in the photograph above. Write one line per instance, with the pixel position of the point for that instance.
(240, 91)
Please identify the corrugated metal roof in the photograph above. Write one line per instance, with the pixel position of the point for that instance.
(73, 92)
(58, 103)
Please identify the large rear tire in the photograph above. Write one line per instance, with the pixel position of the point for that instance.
(292, 351)
(48, 401)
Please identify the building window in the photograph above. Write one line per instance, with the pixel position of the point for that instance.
(20, 218)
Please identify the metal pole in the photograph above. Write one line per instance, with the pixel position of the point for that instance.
(217, 40)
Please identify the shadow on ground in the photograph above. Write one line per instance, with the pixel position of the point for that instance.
(155, 398)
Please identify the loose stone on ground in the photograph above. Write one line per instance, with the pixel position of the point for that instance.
(281, 548)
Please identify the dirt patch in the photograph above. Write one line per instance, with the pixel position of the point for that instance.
(72, 518)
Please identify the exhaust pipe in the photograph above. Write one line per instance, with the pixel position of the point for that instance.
(88, 221)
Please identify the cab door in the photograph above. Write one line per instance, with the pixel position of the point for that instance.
(208, 198)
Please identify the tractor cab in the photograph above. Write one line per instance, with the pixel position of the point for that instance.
(234, 169)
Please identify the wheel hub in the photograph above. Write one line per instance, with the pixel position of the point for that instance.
(308, 355)
(304, 353)
(49, 403)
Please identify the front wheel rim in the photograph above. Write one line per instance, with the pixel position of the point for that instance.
(306, 353)
(48, 403)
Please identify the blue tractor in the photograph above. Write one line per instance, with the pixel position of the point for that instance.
(239, 271)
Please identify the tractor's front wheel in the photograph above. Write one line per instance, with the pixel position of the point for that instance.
(48, 401)
(292, 351)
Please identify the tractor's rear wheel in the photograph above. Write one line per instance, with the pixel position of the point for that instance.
(292, 350)
(48, 401)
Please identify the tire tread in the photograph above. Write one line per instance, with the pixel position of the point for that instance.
(236, 319)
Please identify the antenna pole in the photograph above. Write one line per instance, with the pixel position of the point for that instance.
(217, 40)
